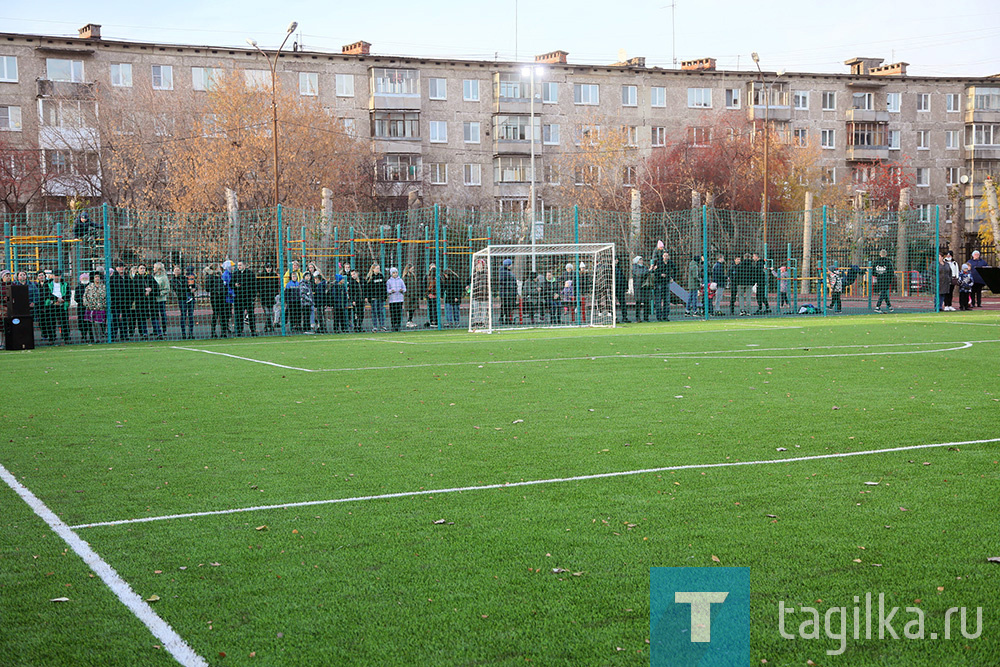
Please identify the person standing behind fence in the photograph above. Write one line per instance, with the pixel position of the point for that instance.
(693, 280)
(641, 286)
(411, 302)
(663, 273)
(268, 289)
(784, 277)
(432, 301)
(83, 323)
(184, 289)
(759, 275)
(338, 304)
(306, 303)
(120, 289)
(217, 291)
(161, 295)
(743, 270)
(355, 301)
(835, 283)
(375, 282)
(883, 275)
(621, 288)
(321, 300)
(95, 300)
(452, 288)
(976, 263)
(244, 292)
(145, 301)
(396, 290)
(719, 278)
(57, 306)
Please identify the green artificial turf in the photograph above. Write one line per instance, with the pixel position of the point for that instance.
(548, 574)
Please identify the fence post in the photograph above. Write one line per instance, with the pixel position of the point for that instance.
(381, 247)
(6, 247)
(937, 249)
(59, 247)
(281, 273)
(704, 259)
(576, 263)
(437, 267)
(823, 269)
(107, 272)
(350, 230)
(807, 228)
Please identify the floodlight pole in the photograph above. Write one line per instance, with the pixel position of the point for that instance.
(274, 97)
(531, 188)
(767, 132)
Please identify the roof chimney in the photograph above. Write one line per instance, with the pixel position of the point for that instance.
(552, 58)
(357, 49)
(702, 64)
(861, 66)
(897, 69)
(91, 31)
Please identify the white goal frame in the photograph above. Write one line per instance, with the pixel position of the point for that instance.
(591, 309)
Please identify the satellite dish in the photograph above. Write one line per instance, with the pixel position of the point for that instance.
(964, 179)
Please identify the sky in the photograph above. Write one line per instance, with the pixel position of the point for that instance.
(956, 38)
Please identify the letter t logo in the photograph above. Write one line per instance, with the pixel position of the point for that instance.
(701, 612)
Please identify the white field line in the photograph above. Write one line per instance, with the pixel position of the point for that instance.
(707, 354)
(511, 485)
(170, 640)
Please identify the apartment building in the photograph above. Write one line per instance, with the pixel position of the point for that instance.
(462, 132)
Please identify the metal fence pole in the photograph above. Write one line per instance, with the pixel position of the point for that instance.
(437, 267)
(937, 249)
(281, 273)
(704, 259)
(823, 270)
(107, 275)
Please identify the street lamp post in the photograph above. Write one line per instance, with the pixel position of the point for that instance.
(531, 71)
(274, 97)
(767, 131)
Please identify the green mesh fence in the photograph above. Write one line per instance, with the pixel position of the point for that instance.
(822, 261)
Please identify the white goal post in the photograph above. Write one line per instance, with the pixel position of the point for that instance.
(542, 285)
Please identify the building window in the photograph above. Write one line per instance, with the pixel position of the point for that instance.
(204, 78)
(439, 132)
(472, 173)
(894, 140)
(257, 79)
(631, 135)
(163, 77)
(550, 92)
(732, 98)
(396, 125)
(892, 102)
(828, 138)
(68, 113)
(629, 176)
(863, 101)
(953, 175)
(550, 174)
(8, 69)
(10, 119)
(121, 75)
(829, 176)
(308, 84)
(923, 177)
(511, 87)
(953, 102)
(513, 128)
(866, 135)
(437, 89)
(951, 139)
(800, 100)
(699, 98)
(923, 140)
(829, 100)
(470, 131)
(57, 69)
(800, 137)
(986, 99)
(513, 169)
(401, 168)
(587, 175)
(345, 85)
(439, 173)
(658, 96)
(586, 93)
(392, 81)
(470, 90)
(349, 128)
(659, 136)
(550, 134)
(985, 135)
(923, 101)
(588, 135)
(699, 136)
(630, 96)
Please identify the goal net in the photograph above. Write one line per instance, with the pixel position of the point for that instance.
(550, 285)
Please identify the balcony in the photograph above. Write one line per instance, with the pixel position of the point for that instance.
(780, 114)
(982, 116)
(867, 116)
(991, 152)
(66, 90)
(514, 147)
(867, 153)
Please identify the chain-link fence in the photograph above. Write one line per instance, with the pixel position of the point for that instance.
(174, 275)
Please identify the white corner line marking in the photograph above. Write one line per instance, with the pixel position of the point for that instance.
(510, 485)
(233, 356)
(171, 641)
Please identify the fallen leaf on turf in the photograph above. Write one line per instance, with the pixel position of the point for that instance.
(153, 598)
(857, 560)
(771, 516)
(836, 407)
(781, 449)
(518, 421)
(940, 589)
(716, 558)
(215, 564)
(439, 522)
(558, 570)
(59, 600)
(903, 509)
(993, 559)
(261, 528)
(578, 574)
(871, 483)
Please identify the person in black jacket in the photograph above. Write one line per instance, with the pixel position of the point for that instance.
(453, 290)
(758, 270)
(663, 272)
(321, 300)
(355, 301)
(184, 288)
(144, 288)
(217, 292)
(120, 288)
(376, 295)
(244, 292)
(268, 288)
(338, 304)
(719, 278)
(883, 274)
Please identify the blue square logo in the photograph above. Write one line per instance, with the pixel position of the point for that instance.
(699, 616)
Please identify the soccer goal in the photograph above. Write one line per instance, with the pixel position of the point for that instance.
(550, 285)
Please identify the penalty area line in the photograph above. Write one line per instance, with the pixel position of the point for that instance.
(535, 482)
(234, 356)
(171, 641)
